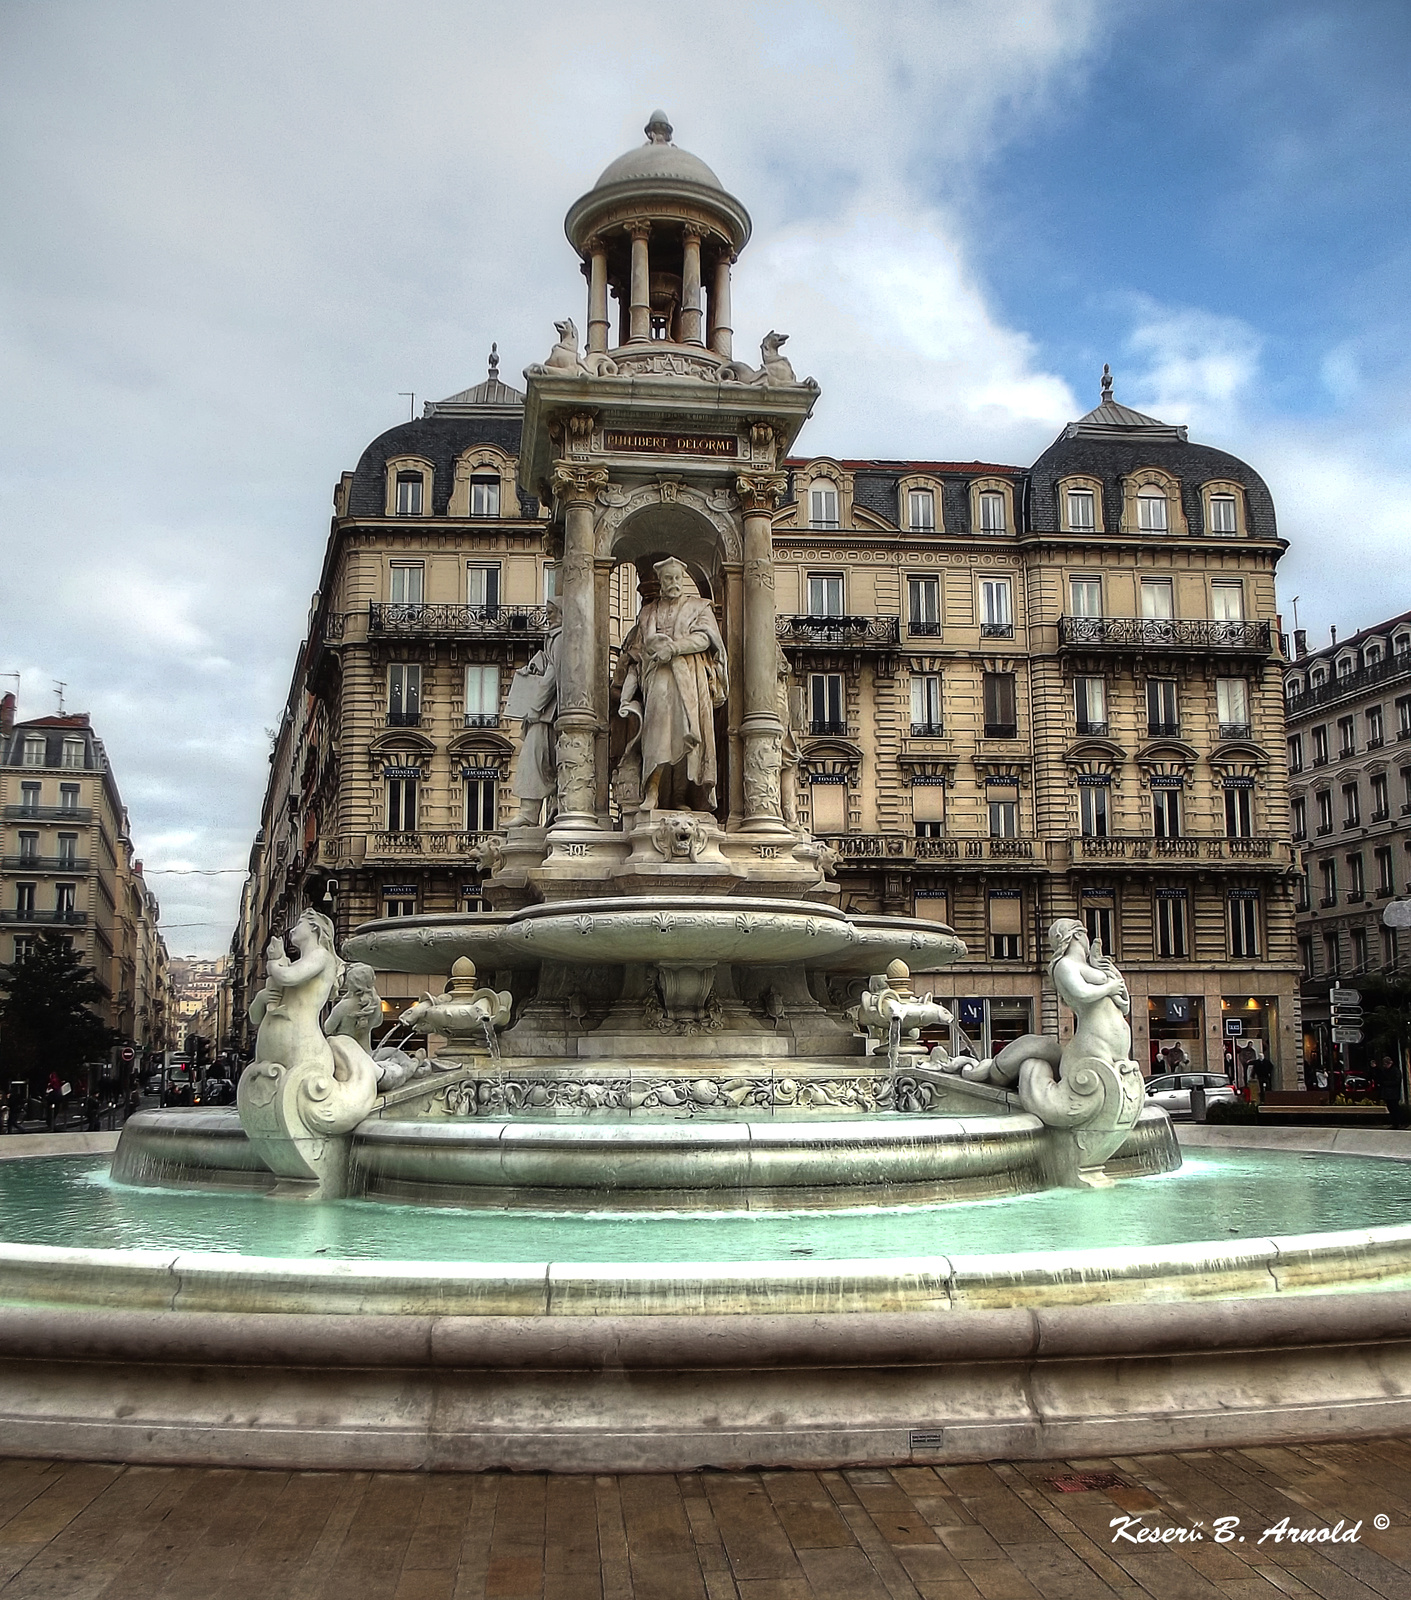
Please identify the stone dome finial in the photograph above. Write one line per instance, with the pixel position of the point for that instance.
(658, 129)
(1106, 385)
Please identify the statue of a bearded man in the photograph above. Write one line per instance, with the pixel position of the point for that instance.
(675, 680)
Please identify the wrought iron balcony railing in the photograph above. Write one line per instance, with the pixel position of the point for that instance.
(455, 622)
(1001, 730)
(928, 730)
(77, 814)
(1164, 633)
(821, 725)
(1350, 683)
(62, 919)
(1094, 730)
(482, 719)
(852, 633)
(996, 630)
(1141, 847)
(417, 844)
(923, 630)
(1235, 730)
(863, 847)
(23, 863)
(1162, 730)
(404, 719)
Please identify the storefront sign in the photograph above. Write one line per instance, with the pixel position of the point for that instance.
(671, 444)
(389, 889)
(1234, 1027)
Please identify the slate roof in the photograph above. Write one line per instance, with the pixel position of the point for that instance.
(438, 438)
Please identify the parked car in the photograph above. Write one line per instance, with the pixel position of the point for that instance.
(1172, 1090)
(216, 1092)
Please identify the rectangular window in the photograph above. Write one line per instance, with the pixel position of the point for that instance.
(29, 847)
(829, 806)
(24, 947)
(1295, 752)
(72, 753)
(1172, 925)
(1151, 510)
(1166, 813)
(931, 905)
(68, 848)
(1347, 738)
(485, 497)
(482, 589)
(1298, 811)
(29, 795)
(928, 810)
(1244, 926)
(403, 695)
(1006, 925)
(1320, 747)
(926, 707)
(1232, 707)
(63, 900)
(1222, 513)
(825, 594)
(1328, 871)
(1331, 960)
(1162, 710)
(1351, 809)
(1085, 595)
(1381, 806)
(409, 491)
(401, 805)
(921, 510)
(480, 805)
(1090, 705)
(399, 903)
(825, 703)
(996, 617)
(1359, 949)
(1003, 806)
(1390, 947)
(1000, 719)
(822, 506)
(1157, 602)
(1093, 810)
(68, 796)
(482, 697)
(32, 753)
(1239, 811)
(1376, 733)
(1082, 507)
(1386, 883)
(923, 606)
(1099, 918)
(24, 902)
(1227, 600)
(551, 584)
(992, 518)
(408, 583)
(1356, 878)
(1403, 717)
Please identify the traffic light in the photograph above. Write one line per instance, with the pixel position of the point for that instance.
(1346, 1008)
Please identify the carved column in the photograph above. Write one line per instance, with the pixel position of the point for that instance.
(598, 295)
(579, 717)
(640, 316)
(721, 331)
(691, 286)
(760, 493)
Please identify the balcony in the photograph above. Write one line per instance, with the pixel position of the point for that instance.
(418, 846)
(51, 919)
(923, 630)
(1328, 901)
(1324, 829)
(1162, 633)
(1235, 730)
(996, 630)
(1351, 683)
(1092, 730)
(1001, 730)
(482, 719)
(44, 863)
(1162, 730)
(928, 730)
(1355, 897)
(48, 814)
(454, 622)
(1176, 852)
(821, 725)
(862, 848)
(404, 719)
(1375, 741)
(1380, 816)
(1320, 758)
(834, 633)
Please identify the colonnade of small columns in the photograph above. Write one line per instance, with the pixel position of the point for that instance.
(705, 326)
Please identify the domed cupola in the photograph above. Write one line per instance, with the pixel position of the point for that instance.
(659, 233)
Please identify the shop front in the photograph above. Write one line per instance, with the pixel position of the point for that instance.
(1175, 1033)
(1249, 1026)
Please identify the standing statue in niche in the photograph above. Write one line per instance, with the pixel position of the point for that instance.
(533, 697)
(791, 719)
(674, 680)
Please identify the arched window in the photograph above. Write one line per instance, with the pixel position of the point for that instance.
(409, 494)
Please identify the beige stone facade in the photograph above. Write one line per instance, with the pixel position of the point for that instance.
(67, 866)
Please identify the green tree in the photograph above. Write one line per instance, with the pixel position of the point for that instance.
(1386, 1014)
(46, 1024)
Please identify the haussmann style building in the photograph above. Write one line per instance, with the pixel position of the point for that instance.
(1010, 693)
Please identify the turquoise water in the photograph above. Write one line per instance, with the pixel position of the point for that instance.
(71, 1201)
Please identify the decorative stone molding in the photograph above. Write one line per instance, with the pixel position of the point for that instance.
(483, 461)
(621, 505)
(574, 483)
(1148, 478)
(761, 491)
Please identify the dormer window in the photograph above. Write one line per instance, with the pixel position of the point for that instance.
(1222, 514)
(921, 510)
(1402, 644)
(992, 517)
(1151, 509)
(823, 506)
(33, 753)
(1345, 667)
(409, 494)
(72, 755)
(485, 497)
(1082, 510)
(1373, 654)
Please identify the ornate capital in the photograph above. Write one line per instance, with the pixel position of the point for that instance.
(694, 230)
(638, 230)
(761, 491)
(575, 484)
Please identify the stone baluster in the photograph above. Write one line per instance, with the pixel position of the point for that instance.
(722, 333)
(691, 286)
(598, 295)
(763, 734)
(576, 487)
(640, 316)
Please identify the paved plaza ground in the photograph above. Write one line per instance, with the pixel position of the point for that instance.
(1016, 1531)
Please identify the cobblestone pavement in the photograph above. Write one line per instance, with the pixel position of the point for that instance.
(1015, 1531)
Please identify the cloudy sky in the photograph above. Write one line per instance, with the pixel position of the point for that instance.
(234, 234)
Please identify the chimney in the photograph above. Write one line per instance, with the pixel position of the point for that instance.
(1333, 634)
(7, 714)
(1300, 643)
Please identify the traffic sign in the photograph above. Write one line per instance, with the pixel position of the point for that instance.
(1347, 1036)
(1345, 997)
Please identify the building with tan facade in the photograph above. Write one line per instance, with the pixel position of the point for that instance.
(1015, 692)
(67, 866)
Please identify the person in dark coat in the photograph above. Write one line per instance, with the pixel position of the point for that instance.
(1388, 1081)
